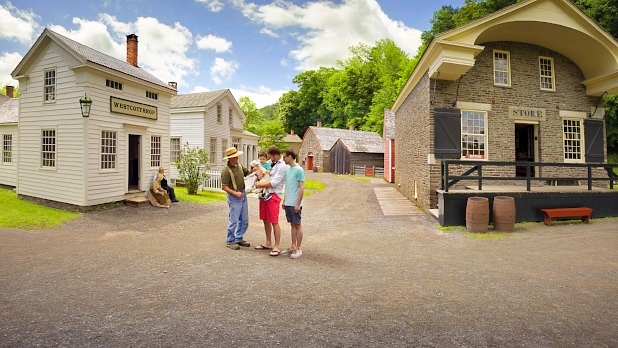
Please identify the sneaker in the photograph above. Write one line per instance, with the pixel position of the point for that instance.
(287, 252)
(233, 246)
(244, 243)
(296, 254)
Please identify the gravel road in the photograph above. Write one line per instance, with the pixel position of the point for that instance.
(148, 277)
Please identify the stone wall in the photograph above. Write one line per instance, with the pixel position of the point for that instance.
(414, 119)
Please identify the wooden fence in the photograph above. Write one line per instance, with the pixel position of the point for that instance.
(369, 171)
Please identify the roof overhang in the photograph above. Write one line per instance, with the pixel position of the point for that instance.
(558, 25)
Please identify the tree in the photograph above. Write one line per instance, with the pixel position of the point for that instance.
(192, 164)
(273, 135)
(254, 118)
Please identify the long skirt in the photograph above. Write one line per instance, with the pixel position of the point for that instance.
(158, 200)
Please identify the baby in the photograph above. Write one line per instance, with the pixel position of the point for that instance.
(262, 165)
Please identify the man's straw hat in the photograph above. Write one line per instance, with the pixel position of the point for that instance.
(232, 152)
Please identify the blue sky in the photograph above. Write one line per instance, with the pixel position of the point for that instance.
(254, 48)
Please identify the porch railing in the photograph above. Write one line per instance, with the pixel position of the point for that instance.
(447, 180)
(213, 182)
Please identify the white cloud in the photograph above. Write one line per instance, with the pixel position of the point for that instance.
(223, 70)
(199, 89)
(16, 24)
(329, 29)
(211, 42)
(213, 5)
(162, 49)
(262, 96)
(284, 62)
(269, 33)
(8, 62)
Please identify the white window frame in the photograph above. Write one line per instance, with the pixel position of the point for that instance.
(152, 95)
(49, 148)
(113, 84)
(471, 130)
(175, 150)
(109, 150)
(572, 140)
(49, 85)
(155, 150)
(219, 113)
(551, 75)
(224, 144)
(508, 68)
(231, 116)
(212, 154)
(7, 148)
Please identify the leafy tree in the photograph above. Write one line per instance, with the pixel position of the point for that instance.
(254, 118)
(192, 164)
(273, 135)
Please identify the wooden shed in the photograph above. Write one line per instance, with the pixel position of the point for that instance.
(364, 151)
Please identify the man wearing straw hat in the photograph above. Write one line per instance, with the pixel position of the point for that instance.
(233, 182)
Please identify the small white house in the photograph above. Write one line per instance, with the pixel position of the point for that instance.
(211, 121)
(9, 108)
(79, 159)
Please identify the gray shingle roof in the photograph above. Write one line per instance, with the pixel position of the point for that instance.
(9, 110)
(103, 59)
(356, 141)
(292, 138)
(389, 124)
(195, 99)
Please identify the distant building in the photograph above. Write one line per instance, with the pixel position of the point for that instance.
(70, 160)
(292, 141)
(9, 109)
(315, 150)
(211, 121)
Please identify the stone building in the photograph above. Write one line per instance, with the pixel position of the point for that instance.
(522, 84)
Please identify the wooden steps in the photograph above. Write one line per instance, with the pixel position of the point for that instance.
(137, 201)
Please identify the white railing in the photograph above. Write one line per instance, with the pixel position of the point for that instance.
(214, 180)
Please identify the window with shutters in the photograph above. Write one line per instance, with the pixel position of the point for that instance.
(502, 68)
(473, 134)
(213, 150)
(572, 139)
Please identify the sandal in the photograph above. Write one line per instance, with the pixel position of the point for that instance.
(262, 247)
(274, 253)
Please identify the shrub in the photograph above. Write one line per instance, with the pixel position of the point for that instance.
(192, 165)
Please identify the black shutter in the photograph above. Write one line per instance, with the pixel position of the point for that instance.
(447, 133)
(593, 134)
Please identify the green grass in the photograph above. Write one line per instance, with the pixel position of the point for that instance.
(314, 185)
(202, 197)
(20, 214)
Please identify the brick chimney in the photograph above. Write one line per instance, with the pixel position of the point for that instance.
(173, 85)
(9, 91)
(351, 127)
(318, 123)
(132, 49)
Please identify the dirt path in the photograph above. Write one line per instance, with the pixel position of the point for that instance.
(150, 277)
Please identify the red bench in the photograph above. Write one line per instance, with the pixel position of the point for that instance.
(582, 212)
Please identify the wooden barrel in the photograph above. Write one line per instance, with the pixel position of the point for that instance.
(503, 211)
(477, 214)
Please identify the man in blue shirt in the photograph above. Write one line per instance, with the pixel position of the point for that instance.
(293, 201)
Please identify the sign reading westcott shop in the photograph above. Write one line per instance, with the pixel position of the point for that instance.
(521, 113)
(127, 107)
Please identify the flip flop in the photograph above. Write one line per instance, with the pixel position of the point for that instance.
(274, 253)
(262, 247)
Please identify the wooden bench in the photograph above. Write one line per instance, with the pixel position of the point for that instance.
(582, 212)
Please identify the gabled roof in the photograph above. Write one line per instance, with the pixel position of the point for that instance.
(9, 110)
(367, 141)
(292, 138)
(389, 124)
(249, 134)
(558, 25)
(196, 99)
(87, 54)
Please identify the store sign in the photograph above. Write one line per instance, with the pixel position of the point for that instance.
(521, 113)
(127, 107)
